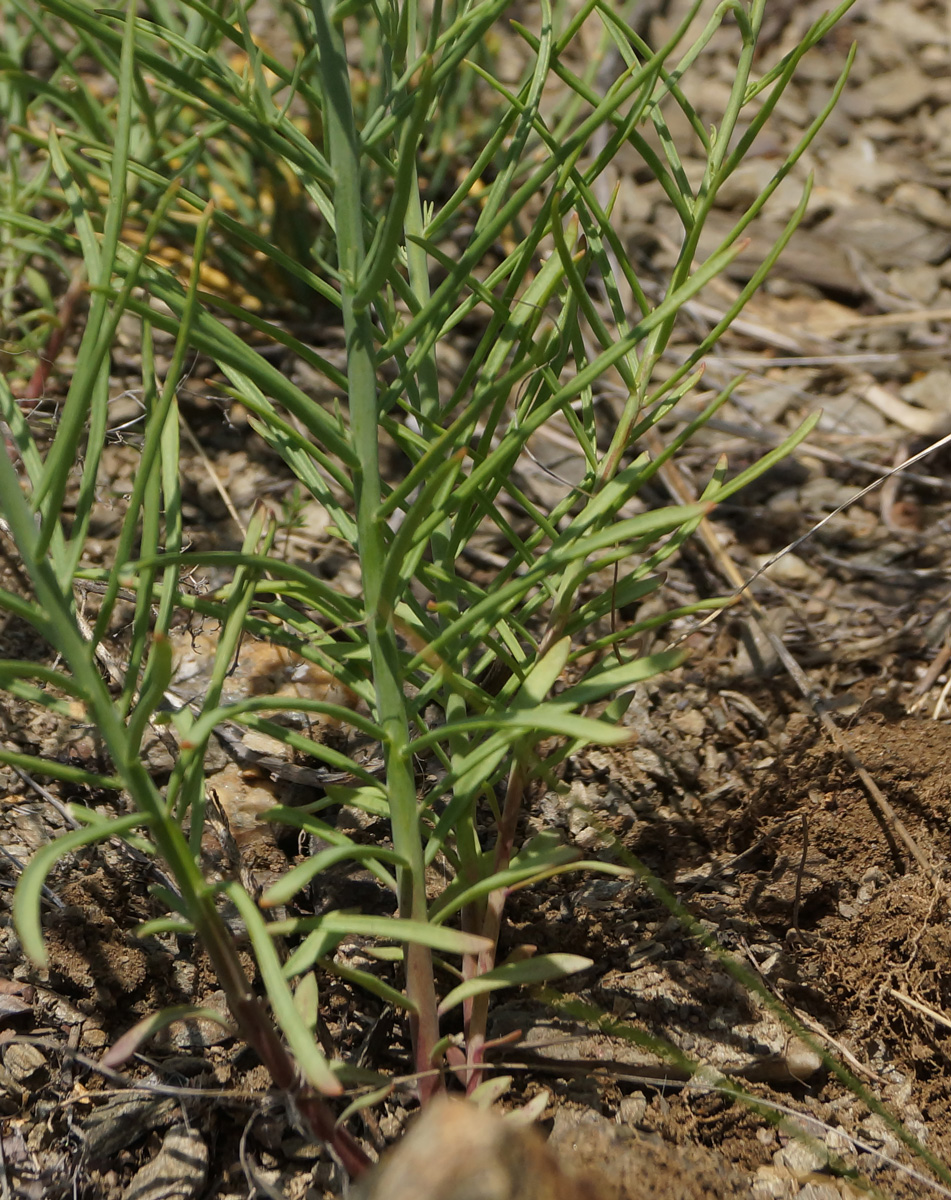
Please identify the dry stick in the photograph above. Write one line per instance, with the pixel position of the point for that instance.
(810, 1023)
(734, 575)
(748, 433)
(895, 320)
(917, 420)
(930, 677)
(797, 902)
(683, 494)
(255, 1180)
(945, 692)
(109, 661)
(939, 1018)
(51, 800)
(889, 494)
(654, 1079)
(123, 1085)
(17, 866)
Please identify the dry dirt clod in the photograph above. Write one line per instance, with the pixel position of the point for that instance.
(23, 1061)
(120, 1122)
(177, 1172)
(627, 1165)
(456, 1151)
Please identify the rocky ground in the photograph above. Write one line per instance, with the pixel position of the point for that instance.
(734, 793)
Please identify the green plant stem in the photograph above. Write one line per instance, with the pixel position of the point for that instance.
(344, 156)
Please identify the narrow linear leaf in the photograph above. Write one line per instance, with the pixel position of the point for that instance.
(307, 1000)
(390, 929)
(532, 970)
(302, 819)
(370, 983)
(27, 899)
(544, 675)
(370, 1100)
(312, 950)
(162, 925)
(459, 893)
(127, 1045)
(370, 800)
(490, 1091)
(550, 718)
(606, 679)
(54, 770)
(299, 877)
(309, 1058)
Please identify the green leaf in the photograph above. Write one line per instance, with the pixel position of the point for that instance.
(500, 602)
(299, 877)
(307, 1000)
(54, 770)
(543, 676)
(128, 1044)
(370, 983)
(610, 676)
(412, 538)
(28, 896)
(164, 925)
(158, 675)
(89, 817)
(313, 949)
(628, 590)
(370, 800)
(535, 867)
(437, 937)
(302, 819)
(532, 970)
(12, 669)
(379, 261)
(201, 730)
(549, 718)
(337, 925)
(309, 1058)
(369, 1100)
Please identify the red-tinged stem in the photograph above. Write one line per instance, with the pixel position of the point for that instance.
(36, 388)
(492, 924)
(259, 1032)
